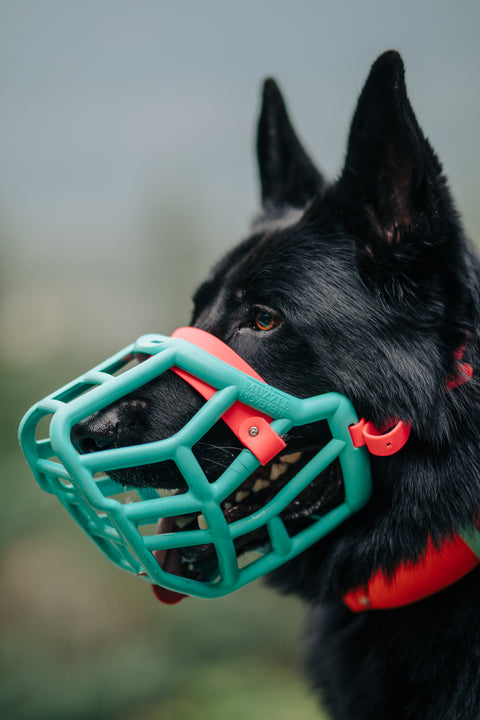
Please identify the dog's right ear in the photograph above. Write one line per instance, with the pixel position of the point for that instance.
(287, 175)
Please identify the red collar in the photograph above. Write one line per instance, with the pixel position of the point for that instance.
(437, 568)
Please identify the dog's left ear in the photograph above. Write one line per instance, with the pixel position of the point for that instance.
(391, 194)
(287, 175)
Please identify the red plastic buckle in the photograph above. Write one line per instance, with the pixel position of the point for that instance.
(378, 443)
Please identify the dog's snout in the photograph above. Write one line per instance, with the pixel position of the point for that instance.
(96, 432)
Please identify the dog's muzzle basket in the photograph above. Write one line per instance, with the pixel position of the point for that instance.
(124, 521)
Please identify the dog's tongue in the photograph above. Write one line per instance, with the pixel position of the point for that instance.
(167, 597)
(170, 561)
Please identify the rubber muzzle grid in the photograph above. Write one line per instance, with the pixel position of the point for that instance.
(123, 521)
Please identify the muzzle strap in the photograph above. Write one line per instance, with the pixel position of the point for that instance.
(251, 426)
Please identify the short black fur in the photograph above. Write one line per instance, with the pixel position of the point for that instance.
(374, 287)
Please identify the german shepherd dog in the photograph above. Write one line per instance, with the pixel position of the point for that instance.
(366, 286)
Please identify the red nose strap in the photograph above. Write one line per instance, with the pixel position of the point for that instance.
(251, 426)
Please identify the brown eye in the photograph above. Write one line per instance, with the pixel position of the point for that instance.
(265, 320)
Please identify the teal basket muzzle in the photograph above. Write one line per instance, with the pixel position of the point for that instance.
(136, 527)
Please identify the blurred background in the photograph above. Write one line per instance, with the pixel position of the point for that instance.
(126, 168)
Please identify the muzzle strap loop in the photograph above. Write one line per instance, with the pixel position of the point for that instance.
(378, 443)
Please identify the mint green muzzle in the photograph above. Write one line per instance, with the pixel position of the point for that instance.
(125, 521)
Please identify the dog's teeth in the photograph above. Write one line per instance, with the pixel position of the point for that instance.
(260, 485)
(241, 495)
(167, 492)
(292, 458)
(277, 470)
(202, 523)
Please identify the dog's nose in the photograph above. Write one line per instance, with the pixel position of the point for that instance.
(96, 432)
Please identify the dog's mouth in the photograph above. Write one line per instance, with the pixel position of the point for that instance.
(296, 486)
(322, 494)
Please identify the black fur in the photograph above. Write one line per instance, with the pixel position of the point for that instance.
(375, 287)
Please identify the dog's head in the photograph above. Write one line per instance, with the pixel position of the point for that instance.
(364, 286)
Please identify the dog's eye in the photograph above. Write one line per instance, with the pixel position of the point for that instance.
(265, 320)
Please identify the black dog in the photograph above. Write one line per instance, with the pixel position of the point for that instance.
(367, 287)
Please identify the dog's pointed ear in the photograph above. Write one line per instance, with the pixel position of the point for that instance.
(391, 193)
(287, 175)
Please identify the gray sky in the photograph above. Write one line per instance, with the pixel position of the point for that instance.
(104, 102)
(110, 109)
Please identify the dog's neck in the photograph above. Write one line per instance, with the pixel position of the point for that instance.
(438, 567)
